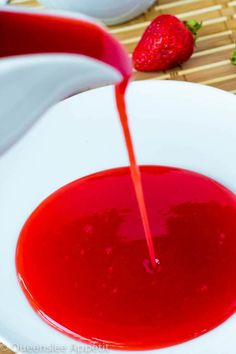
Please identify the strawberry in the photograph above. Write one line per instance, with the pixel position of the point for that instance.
(166, 43)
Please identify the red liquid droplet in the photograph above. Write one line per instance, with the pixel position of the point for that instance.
(84, 266)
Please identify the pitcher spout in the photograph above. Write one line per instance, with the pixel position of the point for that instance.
(46, 57)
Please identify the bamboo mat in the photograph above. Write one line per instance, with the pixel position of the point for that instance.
(210, 64)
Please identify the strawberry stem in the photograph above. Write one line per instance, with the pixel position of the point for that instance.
(193, 26)
(233, 58)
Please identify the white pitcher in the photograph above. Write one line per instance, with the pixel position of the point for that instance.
(109, 11)
(34, 76)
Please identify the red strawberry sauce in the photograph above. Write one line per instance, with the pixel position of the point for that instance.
(82, 258)
(83, 262)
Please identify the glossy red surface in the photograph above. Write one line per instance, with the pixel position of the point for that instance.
(24, 33)
(83, 262)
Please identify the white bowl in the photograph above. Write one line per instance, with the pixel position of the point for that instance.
(173, 123)
(109, 11)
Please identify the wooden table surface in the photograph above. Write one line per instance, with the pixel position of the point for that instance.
(210, 64)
